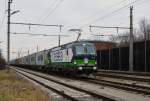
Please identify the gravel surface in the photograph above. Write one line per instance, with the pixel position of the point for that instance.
(104, 90)
(126, 75)
(124, 81)
(53, 96)
(73, 93)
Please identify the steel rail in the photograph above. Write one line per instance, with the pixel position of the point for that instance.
(100, 96)
(48, 87)
(126, 72)
(128, 87)
(128, 77)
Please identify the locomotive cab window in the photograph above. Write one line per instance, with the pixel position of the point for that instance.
(84, 49)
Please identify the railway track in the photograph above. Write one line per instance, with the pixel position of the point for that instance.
(95, 96)
(100, 88)
(128, 87)
(127, 72)
(125, 76)
(60, 92)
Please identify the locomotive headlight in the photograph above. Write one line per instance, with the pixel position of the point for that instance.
(80, 68)
(75, 62)
(94, 68)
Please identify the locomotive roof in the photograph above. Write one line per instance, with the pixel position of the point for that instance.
(72, 43)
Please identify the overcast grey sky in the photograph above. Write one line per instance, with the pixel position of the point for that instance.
(71, 14)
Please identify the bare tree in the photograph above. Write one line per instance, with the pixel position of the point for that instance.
(121, 39)
(145, 28)
(148, 31)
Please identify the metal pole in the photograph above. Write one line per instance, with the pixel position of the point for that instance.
(37, 48)
(99, 37)
(131, 41)
(18, 54)
(109, 59)
(0, 49)
(100, 60)
(8, 34)
(29, 57)
(119, 57)
(59, 35)
(58, 40)
(119, 52)
(90, 29)
(28, 52)
(145, 53)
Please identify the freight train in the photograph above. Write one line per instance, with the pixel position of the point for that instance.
(77, 57)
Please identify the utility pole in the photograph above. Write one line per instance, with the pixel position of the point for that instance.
(58, 40)
(28, 52)
(145, 46)
(8, 34)
(131, 41)
(0, 50)
(37, 48)
(29, 56)
(60, 27)
(18, 54)
(131, 37)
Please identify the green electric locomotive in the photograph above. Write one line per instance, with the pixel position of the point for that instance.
(77, 57)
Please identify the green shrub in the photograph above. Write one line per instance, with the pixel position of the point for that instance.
(2, 98)
(2, 63)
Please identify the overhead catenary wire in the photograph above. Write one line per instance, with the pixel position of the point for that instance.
(137, 5)
(47, 10)
(54, 5)
(145, 1)
(109, 14)
(107, 27)
(52, 8)
(108, 8)
(4, 16)
(51, 12)
(3, 19)
(59, 36)
(110, 35)
(36, 34)
(20, 23)
(32, 24)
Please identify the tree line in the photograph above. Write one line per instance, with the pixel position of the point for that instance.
(141, 33)
(2, 61)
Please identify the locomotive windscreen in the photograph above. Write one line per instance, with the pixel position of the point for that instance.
(85, 49)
